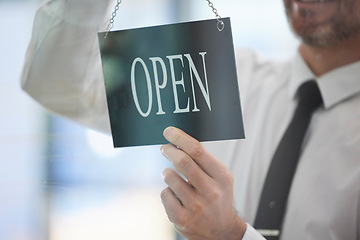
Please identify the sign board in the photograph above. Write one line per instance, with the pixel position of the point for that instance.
(181, 75)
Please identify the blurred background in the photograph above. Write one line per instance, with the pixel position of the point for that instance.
(61, 181)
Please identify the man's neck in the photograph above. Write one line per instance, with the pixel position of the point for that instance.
(324, 59)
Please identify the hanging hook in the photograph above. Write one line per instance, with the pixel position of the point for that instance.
(220, 24)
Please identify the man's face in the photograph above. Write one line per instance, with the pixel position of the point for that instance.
(324, 22)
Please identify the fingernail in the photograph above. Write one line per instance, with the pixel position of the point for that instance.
(168, 131)
(163, 174)
(163, 151)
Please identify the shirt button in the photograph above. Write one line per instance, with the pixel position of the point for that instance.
(272, 204)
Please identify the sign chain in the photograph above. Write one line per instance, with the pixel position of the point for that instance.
(112, 19)
(220, 24)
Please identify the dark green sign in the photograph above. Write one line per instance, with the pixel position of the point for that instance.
(181, 75)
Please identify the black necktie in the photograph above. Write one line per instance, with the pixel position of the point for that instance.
(276, 188)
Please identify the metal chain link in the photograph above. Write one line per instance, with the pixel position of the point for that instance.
(220, 24)
(112, 19)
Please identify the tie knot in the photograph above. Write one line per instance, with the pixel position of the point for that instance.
(309, 95)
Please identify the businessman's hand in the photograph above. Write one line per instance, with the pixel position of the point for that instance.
(202, 206)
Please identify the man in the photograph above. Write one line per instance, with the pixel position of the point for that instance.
(324, 199)
(202, 208)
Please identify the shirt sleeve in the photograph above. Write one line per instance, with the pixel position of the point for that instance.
(62, 69)
(252, 234)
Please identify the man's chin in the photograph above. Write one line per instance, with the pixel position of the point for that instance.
(326, 35)
(318, 41)
(319, 38)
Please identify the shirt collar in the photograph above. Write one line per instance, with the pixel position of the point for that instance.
(335, 86)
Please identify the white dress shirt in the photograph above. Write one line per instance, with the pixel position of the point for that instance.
(324, 200)
(63, 72)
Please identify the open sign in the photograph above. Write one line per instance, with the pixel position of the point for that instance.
(181, 75)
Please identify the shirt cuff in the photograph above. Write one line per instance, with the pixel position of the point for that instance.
(252, 234)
